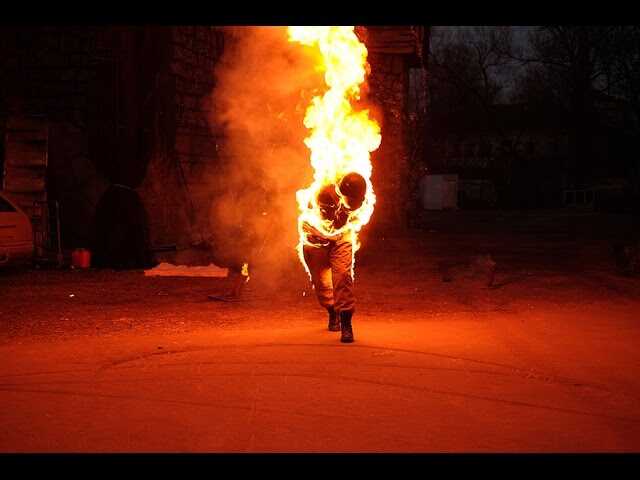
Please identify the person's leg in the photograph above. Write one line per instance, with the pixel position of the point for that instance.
(317, 260)
(341, 256)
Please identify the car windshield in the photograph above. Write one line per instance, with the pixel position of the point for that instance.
(5, 206)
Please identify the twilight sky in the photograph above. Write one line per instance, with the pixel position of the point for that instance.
(507, 75)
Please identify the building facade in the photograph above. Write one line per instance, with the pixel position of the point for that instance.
(126, 116)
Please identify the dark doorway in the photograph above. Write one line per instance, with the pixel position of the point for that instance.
(1, 154)
(122, 239)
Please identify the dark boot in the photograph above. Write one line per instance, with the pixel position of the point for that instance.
(334, 322)
(345, 327)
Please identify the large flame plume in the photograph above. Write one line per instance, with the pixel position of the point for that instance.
(341, 138)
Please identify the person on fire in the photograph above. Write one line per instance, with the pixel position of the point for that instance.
(329, 258)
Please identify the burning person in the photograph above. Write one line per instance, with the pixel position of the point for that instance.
(340, 201)
(329, 257)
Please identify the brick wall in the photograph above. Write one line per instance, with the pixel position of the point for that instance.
(388, 90)
(49, 71)
(175, 187)
(85, 81)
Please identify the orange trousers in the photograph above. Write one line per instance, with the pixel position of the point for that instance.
(331, 273)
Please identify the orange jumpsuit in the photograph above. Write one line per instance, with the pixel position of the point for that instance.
(330, 260)
(330, 265)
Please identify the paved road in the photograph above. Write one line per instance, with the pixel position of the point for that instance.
(548, 360)
(454, 383)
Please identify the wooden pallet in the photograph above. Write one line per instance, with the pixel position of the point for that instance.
(25, 172)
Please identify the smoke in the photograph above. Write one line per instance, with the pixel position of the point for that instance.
(263, 86)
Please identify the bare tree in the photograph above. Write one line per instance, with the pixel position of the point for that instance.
(466, 65)
(470, 71)
(624, 66)
(566, 67)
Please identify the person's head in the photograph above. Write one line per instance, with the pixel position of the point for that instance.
(353, 188)
(328, 201)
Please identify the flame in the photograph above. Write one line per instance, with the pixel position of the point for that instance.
(341, 139)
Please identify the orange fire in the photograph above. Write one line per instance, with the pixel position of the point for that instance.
(341, 139)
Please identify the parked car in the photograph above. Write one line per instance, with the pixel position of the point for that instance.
(16, 234)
